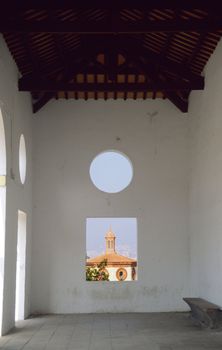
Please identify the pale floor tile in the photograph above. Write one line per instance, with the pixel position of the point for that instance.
(158, 331)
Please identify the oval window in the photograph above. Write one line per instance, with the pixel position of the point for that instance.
(121, 274)
(111, 171)
(22, 159)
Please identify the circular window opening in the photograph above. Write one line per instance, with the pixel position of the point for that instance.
(121, 274)
(22, 159)
(111, 171)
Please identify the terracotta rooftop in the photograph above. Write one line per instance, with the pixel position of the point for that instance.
(112, 259)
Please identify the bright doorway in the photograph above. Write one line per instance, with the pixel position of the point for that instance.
(20, 267)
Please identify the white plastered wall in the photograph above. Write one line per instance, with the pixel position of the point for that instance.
(67, 135)
(205, 110)
(112, 273)
(16, 110)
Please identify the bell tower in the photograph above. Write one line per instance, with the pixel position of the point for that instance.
(110, 242)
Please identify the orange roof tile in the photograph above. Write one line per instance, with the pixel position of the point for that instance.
(112, 259)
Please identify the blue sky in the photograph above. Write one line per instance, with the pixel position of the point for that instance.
(125, 230)
(111, 171)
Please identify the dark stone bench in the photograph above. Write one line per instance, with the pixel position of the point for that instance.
(205, 313)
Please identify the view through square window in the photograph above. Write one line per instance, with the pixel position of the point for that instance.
(111, 249)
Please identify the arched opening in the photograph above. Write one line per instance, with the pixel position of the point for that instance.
(22, 159)
(2, 211)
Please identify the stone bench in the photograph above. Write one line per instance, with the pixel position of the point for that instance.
(205, 313)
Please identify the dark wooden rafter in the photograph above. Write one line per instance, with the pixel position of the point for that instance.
(126, 81)
(124, 49)
(153, 70)
(181, 70)
(104, 91)
(180, 103)
(200, 42)
(54, 86)
(135, 91)
(153, 73)
(176, 97)
(92, 28)
(116, 4)
(91, 69)
(111, 58)
(96, 82)
(135, 60)
(173, 96)
(134, 49)
(170, 37)
(81, 68)
(68, 71)
(46, 97)
(32, 84)
(145, 92)
(37, 105)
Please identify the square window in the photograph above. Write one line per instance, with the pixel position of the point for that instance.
(111, 249)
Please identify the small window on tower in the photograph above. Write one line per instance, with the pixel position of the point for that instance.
(111, 249)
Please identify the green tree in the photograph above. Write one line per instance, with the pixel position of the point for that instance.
(97, 273)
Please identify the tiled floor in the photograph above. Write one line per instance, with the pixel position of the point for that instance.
(153, 331)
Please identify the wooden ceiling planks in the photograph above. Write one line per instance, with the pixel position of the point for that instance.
(127, 51)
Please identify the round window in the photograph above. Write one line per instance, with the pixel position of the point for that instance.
(22, 159)
(111, 171)
(121, 274)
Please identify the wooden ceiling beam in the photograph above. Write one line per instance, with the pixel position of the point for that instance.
(115, 4)
(46, 97)
(97, 27)
(131, 46)
(42, 101)
(179, 100)
(181, 104)
(152, 73)
(111, 60)
(149, 71)
(89, 70)
(70, 67)
(55, 86)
